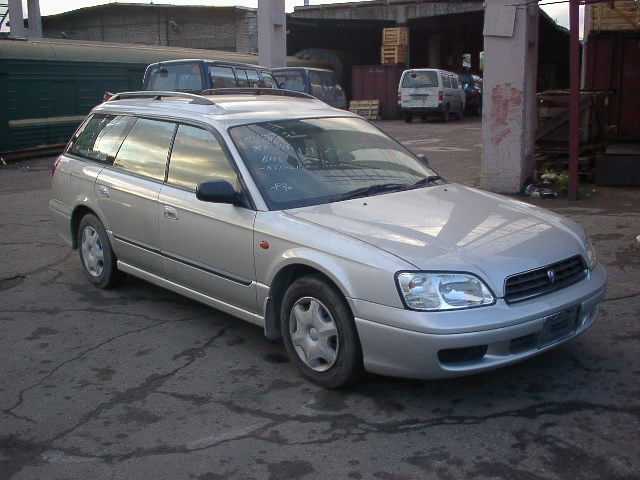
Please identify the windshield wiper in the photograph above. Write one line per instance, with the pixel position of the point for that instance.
(372, 190)
(425, 181)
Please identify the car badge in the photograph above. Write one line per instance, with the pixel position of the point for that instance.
(551, 275)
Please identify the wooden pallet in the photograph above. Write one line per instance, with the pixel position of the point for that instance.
(395, 37)
(369, 109)
(393, 55)
(618, 15)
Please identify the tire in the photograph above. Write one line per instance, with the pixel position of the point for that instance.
(461, 112)
(408, 117)
(445, 114)
(319, 333)
(96, 256)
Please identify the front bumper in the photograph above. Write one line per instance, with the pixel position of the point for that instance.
(502, 335)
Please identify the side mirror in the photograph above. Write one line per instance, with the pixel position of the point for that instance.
(219, 191)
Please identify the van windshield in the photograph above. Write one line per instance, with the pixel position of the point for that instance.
(420, 79)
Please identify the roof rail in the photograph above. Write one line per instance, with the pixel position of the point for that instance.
(256, 91)
(157, 95)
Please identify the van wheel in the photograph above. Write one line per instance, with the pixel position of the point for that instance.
(96, 256)
(408, 117)
(319, 333)
(445, 114)
(461, 113)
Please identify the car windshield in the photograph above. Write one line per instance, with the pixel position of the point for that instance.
(298, 163)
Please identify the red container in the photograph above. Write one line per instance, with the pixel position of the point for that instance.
(613, 63)
(377, 82)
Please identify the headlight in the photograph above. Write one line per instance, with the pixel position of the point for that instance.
(592, 258)
(442, 290)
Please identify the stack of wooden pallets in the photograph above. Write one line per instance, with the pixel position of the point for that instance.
(395, 42)
(369, 109)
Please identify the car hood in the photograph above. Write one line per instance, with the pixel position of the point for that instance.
(452, 227)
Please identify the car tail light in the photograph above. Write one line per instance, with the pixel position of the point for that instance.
(440, 96)
(55, 166)
(474, 93)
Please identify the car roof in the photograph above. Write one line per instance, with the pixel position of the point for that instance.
(228, 63)
(225, 106)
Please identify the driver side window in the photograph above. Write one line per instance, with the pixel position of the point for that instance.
(196, 157)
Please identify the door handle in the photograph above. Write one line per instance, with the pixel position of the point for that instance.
(103, 191)
(170, 213)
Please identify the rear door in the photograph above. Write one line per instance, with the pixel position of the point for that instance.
(420, 89)
(127, 193)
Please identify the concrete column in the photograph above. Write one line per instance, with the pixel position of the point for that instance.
(16, 20)
(272, 33)
(509, 95)
(35, 20)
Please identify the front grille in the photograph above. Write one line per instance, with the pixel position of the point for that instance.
(544, 280)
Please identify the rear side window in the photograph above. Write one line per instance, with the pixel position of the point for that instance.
(222, 77)
(241, 74)
(254, 78)
(315, 79)
(146, 148)
(268, 81)
(197, 157)
(446, 81)
(100, 137)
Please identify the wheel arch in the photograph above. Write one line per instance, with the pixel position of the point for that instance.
(281, 282)
(76, 217)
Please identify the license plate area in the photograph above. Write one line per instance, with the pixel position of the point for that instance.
(558, 326)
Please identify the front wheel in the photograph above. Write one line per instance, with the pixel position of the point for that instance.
(97, 258)
(319, 333)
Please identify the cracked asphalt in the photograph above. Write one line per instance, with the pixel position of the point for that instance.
(139, 383)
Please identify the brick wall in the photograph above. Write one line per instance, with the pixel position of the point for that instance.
(220, 28)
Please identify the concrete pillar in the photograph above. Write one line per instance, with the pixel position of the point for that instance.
(509, 95)
(272, 33)
(16, 21)
(35, 20)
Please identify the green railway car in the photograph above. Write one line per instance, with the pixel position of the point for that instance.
(48, 86)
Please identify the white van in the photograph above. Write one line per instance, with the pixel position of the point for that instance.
(427, 91)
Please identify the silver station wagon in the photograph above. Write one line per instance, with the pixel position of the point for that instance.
(320, 228)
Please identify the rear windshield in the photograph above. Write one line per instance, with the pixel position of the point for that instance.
(292, 80)
(185, 77)
(420, 79)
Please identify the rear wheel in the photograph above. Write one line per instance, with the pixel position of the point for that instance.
(408, 117)
(445, 114)
(319, 333)
(96, 256)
